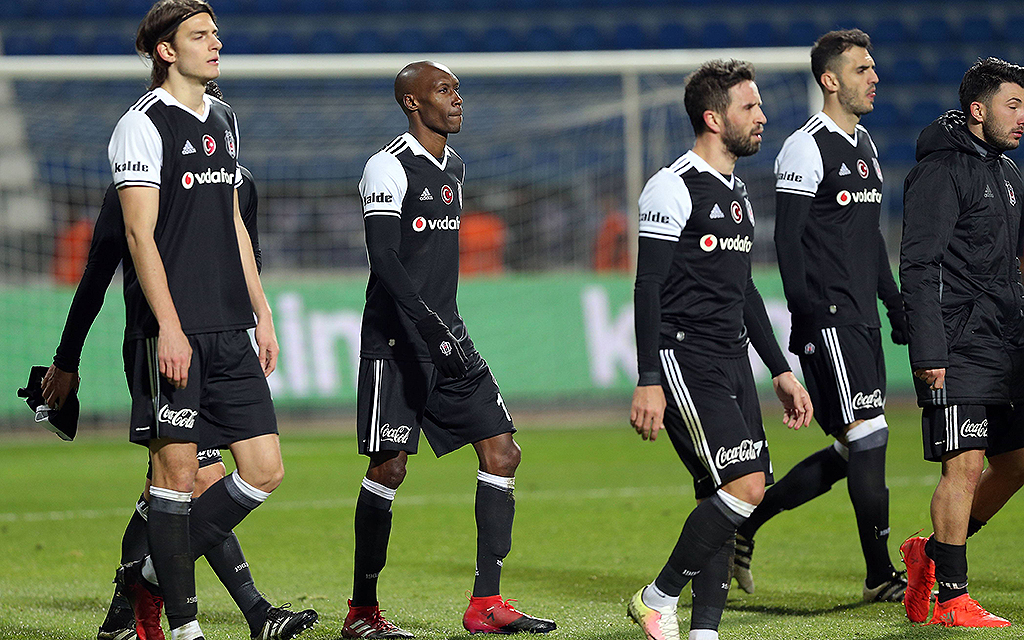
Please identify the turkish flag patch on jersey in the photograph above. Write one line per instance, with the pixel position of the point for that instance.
(209, 146)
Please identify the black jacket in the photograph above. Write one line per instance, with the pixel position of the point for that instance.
(959, 266)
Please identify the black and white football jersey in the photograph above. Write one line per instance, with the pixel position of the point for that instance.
(710, 218)
(405, 181)
(191, 158)
(840, 241)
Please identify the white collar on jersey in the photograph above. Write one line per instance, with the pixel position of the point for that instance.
(170, 100)
(700, 164)
(831, 125)
(418, 149)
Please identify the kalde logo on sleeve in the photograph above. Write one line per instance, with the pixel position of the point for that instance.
(130, 166)
(745, 451)
(874, 400)
(183, 418)
(220, 176)
(974, 429)
(398, 435)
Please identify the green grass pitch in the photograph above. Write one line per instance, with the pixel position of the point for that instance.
(598, 511)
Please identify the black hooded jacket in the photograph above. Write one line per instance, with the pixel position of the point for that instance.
(959, 268)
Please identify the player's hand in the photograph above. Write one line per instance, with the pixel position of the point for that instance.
(175, 356)
(934, 378)
(796, 402)
(647, 413)
(445, 350)
(900, 325)
(57, 384)
(266, 340)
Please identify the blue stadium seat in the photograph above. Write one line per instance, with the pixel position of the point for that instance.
(455, 40)
(23, 44)
(921, 114)
(901, 153)
(758, 33)
(905, 72)
(715, 35)
(801, 33)
(978, 29)
(241, 43)
(936, 31)
(543, 38)
(586, 37)
(884, 116)
(409, 40)
(950, 70)
(325, 41)
(281, 42)
(109, 44)
(1013, 27)
(889, 31)
(499, 39)
(630, 35)
(367, 41)
(673, 35)
(66, 44)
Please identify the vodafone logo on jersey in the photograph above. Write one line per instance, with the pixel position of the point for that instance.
(710, 242)
(862, 168)
(221, 176)
(447, 195)
(845, 197)
(736, 211)
(420, 224)
(209, 146)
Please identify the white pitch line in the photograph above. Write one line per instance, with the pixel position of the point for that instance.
(425, 500)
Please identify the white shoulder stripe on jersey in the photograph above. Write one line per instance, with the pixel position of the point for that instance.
(136, 183)
(382, 212)
(796, 192)
(835, 353)
(659, 236)
(689, 412)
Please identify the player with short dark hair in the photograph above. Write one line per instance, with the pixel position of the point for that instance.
(834, 266)
(961, 279)
(188, 354)
(419, 370)
(697, 310)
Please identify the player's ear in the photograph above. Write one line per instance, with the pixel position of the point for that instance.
(166, 52)
(830, 81)
(409, 102)
(713, 121)
(977, 111)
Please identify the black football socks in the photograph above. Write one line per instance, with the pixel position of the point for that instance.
(228, 562)
(373, 530)
(810, 478)
(171, 553)
(950, 568)
(870, 499)
(495, 510)
(220, 509)
(711, 589)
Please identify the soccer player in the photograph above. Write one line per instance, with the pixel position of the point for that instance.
(419, 370)
(697, 310)
(834, 263)
(961, 281)
(187, 352)
(106, 252)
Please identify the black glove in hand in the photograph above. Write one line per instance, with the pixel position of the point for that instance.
(900, 326)
(445, 350)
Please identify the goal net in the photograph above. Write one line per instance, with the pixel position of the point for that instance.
(557, 147)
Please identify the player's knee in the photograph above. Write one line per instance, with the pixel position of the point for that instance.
(389, 472)
(206, 477)
(504, 461)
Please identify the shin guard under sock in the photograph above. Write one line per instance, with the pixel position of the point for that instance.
(711, 589)
(495, 510)
(810, 478)
(373, 530)
(171, 553)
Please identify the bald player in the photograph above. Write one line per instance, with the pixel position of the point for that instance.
(419, 370)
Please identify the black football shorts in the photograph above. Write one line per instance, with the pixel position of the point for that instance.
(399, 398)
(994, 428)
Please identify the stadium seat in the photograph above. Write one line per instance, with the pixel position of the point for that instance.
(758, 33)
(455, 40)
(884, 116)
(901, 153)
(112, 45)
(978, 29)
(367, 41)
(630, 35)
(66, 44)
(409, 40)
(281, 42)
(922, 113)
(905, 72)
(23, 44)
(935, 31)
(241, 43)
(715, 35)
(543, 38)
(889, 31)
(325, 41)
(801, 33)
(499, 39)
(950, 70)
(586, 37)
(673, 35)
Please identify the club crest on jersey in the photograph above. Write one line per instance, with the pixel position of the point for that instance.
(862, 168)
(750, 210)
(209, 146)
(447, 195)
(809, 349)
(1009, 192)
(736, 211)
(878, 168)
(229, 142)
